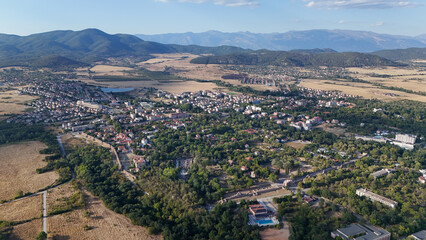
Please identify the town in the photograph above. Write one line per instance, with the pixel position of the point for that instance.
(264, 152)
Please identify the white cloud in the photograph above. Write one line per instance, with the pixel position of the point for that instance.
(228, 3)
(335, 4)
(380, 23)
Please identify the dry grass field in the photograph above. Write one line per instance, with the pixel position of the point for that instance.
(109, 70)
(181, 64)
(22, 210)
(28, 230)
(364, 90)
(103, 224)
(18, 164)
(296, 144)
(11, 102)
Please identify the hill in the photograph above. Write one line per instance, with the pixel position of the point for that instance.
(339, 40)
(89, 45)
(298, 59)
(403, 54)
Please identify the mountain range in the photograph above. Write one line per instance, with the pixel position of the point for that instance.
(298, 59)
(75, 48)
(89, 45)
(339, 40)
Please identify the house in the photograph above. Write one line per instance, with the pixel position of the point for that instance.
(139, 162)
(422, 179)
(244, 168)
(258, 210)
(309, 200)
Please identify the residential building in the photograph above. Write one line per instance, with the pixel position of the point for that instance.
(375, 197)
(258, 210)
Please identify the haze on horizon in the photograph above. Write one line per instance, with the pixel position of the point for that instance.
(398, 17)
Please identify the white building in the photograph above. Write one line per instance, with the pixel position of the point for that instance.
(376, 197)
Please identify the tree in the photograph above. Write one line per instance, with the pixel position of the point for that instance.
(41, 236)
(273, 177)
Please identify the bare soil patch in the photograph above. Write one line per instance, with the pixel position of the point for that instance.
(22, 210)
(18, 164)
(276, 234)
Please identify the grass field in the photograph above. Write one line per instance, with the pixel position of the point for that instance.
(102, 223)
(22, 210)
(11, 102)
(18, 164)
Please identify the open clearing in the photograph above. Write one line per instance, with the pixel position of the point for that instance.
(18, 164)
(22, 210)
(297, 144)
(11, 102)
(276, 234)
(103, 223)
(329, 128)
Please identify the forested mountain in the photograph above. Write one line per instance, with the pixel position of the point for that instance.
(298, 59)
(402, 54)
(339, 40)
(87, 46)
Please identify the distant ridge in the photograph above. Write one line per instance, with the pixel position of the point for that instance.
(403, 54)
(298, 59)
(89, 45)
(339, 40)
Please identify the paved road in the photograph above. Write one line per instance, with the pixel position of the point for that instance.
(45, 211)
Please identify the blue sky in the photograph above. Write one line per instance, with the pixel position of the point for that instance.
(23, 17)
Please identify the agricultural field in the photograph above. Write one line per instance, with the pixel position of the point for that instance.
(12, 103)
(98, 223)
(18, 164)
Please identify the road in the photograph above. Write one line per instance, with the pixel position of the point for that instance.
(45, 211)
(58, 137)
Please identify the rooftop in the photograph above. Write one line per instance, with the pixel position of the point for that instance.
(419, 235)
(360, 232)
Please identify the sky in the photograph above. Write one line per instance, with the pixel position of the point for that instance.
(400, 17)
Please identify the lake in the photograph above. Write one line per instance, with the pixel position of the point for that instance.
(116, 90)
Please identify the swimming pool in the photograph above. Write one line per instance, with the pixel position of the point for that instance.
(265, 222)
